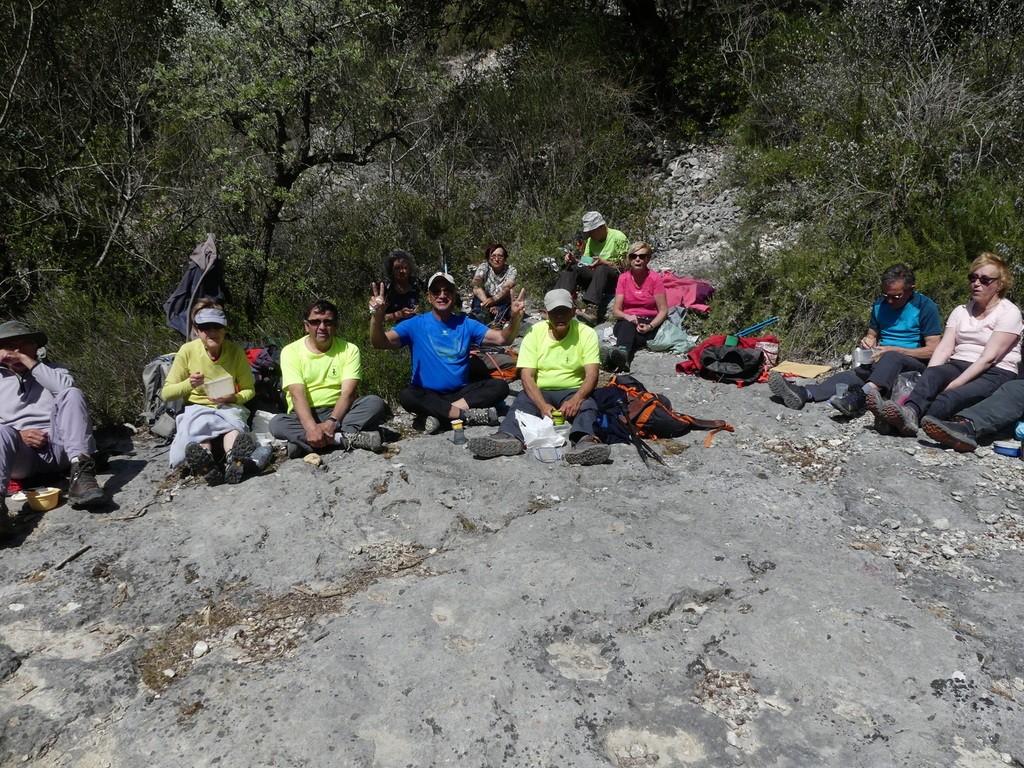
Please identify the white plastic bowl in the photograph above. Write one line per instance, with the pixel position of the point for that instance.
(222, 387)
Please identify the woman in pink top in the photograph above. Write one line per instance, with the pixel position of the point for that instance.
(978, 352)
(640, 307)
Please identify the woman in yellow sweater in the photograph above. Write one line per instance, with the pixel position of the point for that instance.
(210, 425)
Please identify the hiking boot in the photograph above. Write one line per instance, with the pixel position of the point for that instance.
(365, 441)
(588, 450)
(199, 460)
(873, 401)
(588, 315)
(6, 524)
(479, 417)
(241, 451)
(295, 451)
(792, 396)
(214, 477)
(882, 426)
(618, 359)
(428, 425)
(904, 419)
(851, 404)
(958, 433)
(498, 444)
(84, 492)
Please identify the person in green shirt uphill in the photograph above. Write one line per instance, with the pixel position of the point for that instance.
(601, 261)
(319, 375)
(559, 361)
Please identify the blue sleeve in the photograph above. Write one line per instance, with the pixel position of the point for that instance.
(477, 330)
(405, 330)
(873, 320)
(931, 322)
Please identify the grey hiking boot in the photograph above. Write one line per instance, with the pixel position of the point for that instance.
(792, 396)
(198, 459)
(479, 417)
(365, 441)
(588, 315)
(498, 444)
(428, 425)
(958, 433)
(84, 492)
(241, 451)
(904, 419)
(588, 450)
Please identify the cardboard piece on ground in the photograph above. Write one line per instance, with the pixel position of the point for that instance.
(804, 370)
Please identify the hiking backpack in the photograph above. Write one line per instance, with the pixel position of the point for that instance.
(650, 414)
(159, 414)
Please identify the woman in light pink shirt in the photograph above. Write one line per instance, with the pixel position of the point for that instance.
(978, 352)
(640, 307)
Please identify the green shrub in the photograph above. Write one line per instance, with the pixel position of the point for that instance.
(105, 346)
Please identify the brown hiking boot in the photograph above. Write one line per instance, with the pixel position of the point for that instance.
(84, 492)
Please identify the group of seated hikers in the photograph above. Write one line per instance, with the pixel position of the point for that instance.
(968, 385)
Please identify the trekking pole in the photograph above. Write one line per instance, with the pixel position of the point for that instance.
(757, 327)
(645, 451)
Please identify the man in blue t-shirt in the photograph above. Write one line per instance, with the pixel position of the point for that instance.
(440, 340)
(903, 331)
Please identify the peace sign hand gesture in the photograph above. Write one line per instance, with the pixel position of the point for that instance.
(519, 303)
(378, 300)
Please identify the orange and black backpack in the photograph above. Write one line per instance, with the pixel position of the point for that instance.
(650, 414)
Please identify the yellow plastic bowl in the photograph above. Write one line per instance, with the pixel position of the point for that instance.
(43, 499)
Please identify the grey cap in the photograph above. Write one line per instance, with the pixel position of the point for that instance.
(15, 329)
(592, 220)
(559, 297)
(211, 315)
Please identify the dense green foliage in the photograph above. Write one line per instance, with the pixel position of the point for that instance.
(887, 132)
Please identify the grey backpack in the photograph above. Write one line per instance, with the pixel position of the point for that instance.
(159, 415)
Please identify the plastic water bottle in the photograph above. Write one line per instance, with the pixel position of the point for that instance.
(458, 433)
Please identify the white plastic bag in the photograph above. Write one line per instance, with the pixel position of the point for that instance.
(538, 432)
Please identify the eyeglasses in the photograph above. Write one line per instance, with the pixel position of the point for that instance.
(894, 296)
(209, 327)
(443, 290)
(317, 321)
(983, 279)
(644, 256)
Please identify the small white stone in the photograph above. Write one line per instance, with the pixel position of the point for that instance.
(169, 672)
(16, 607)
(200, 649)
(942, 524)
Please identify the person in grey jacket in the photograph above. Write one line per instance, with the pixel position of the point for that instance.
(44, 421)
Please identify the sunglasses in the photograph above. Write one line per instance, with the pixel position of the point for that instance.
(644, 256)
(894, 296)
(321, 321)
(208, 326)
(983, 279)
(443, 290)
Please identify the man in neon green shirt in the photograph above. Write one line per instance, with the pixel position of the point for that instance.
(559, 362)
(319, 375)
(601, 261)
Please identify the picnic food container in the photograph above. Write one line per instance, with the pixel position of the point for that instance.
(222, 387)
(43, 499)
(1007, 448)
